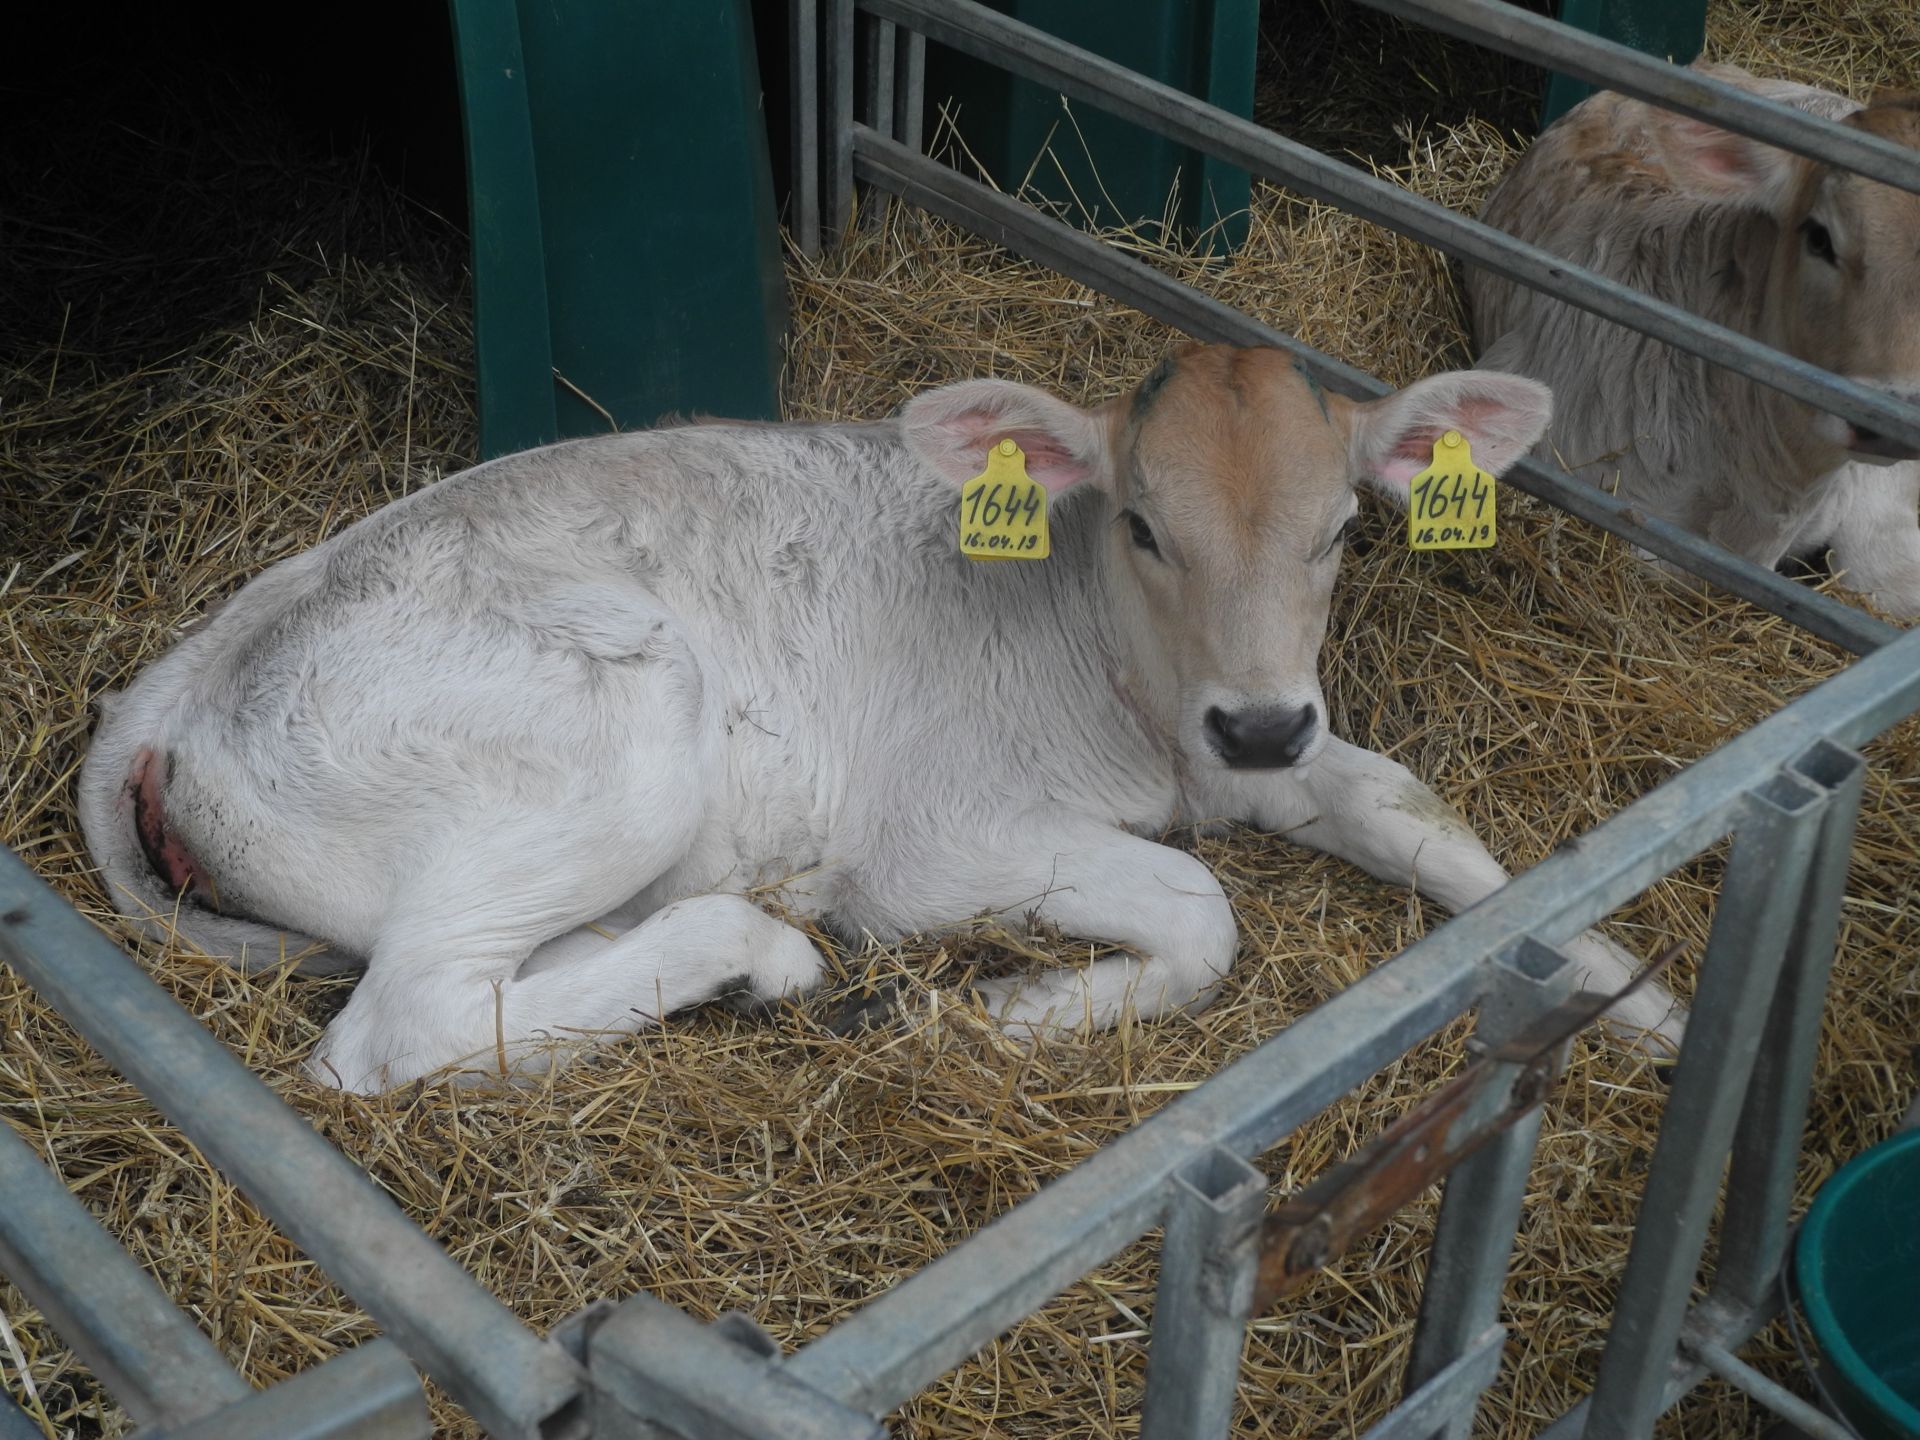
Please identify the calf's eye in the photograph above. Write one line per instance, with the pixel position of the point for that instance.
(1819, 240)
(1142, 533)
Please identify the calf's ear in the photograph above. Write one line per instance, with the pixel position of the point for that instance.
(952, 428)
(1502, 417)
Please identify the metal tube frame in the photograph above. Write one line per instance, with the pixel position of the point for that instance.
(1787, 790)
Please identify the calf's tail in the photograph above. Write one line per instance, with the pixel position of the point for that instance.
(147, 871)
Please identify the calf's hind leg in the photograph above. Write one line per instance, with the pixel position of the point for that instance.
(448, 982)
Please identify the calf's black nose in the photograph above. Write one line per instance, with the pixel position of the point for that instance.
(1269, 737)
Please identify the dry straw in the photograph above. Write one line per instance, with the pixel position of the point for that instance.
(773, 1167)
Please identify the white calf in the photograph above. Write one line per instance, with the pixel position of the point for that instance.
(1809, 259)
(521, 740)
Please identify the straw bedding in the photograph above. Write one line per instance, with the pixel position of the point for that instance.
(772, 1166)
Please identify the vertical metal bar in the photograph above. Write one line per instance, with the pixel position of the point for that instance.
(155, 1362)
(910, 93)
(368, 1393)
(1207, 1266)
(836, 79)
(1766, 1145)
(1480, 1210)
(1765, 880)
(882, 54)
(513, 1382)
(804, 53)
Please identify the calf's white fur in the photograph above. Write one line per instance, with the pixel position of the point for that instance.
(520, 741)
(1809, 259)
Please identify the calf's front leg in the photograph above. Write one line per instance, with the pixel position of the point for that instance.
(1098, 883)
(1366, 808)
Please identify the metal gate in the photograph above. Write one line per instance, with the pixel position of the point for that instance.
(1787, 791)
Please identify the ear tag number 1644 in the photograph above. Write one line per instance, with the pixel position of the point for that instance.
(1451, 502)
(1003, 512)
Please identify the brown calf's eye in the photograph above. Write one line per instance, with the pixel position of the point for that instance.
(1142, 533)
(1819, 240)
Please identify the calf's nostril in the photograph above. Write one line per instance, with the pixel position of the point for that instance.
(1223, 731)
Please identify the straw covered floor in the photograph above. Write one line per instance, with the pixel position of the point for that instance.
(149, 465)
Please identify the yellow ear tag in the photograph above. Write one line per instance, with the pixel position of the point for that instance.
(1450, 506)
(1003, 512)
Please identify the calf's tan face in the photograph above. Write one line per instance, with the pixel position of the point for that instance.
(1225, 484)
(1843, 290)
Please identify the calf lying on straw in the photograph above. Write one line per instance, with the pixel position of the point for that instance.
(520, 741)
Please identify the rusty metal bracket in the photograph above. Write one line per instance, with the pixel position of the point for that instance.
(1319, 1223)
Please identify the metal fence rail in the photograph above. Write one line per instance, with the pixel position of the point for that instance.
(1033, 54)
(1787, 791)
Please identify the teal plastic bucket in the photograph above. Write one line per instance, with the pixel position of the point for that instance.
(1857, 1262)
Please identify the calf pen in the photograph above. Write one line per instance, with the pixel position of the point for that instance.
(1786, 790)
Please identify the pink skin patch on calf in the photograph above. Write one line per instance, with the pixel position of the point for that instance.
(165, 851)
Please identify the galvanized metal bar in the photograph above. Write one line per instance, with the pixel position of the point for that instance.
(909, 119)
(1766, 1144)
(1613, 66)
(933, 1320)
(1036, 55)
(882, 55)
(654, 1365)
(836, 80)
(1480, 1210)
(513, 1382)
(1810, 1420)
(154, 1361)
(15, 1423)
(368, 1393)
(803, 53)
(1019, 227)
(1205, 1293)
(1449, 1396)
(1773, 847)
(937, 1317)
(1712, 1323)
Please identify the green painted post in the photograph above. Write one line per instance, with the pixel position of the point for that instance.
(622, 192)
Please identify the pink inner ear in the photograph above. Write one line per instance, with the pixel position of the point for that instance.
(1049, 460)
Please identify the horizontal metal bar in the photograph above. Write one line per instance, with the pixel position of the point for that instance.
(1614, 66)
(1018, 226)
(158, 1366)
(1038, 56)
(930, 1322)
(936, 1318)
(512, 1381)
(654, 1365)
(368, 1393)
(1449, 1398)
(1806, 1418)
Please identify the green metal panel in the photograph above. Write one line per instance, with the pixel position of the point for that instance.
(1671, 29)
(1110, 171)
(625, 234)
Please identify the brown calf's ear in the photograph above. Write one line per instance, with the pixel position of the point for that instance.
(952, 428)
(1502, 417)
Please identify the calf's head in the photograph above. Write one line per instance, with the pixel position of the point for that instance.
(1223, 487)
(1843, 287)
